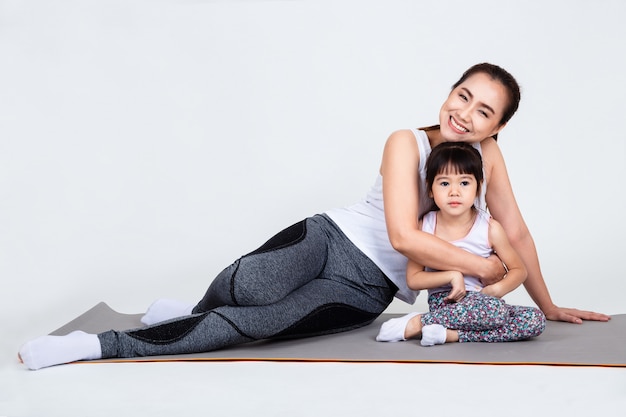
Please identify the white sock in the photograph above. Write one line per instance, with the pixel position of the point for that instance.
(433, 334)
(393, 329)
(165, 309)
(54, 350)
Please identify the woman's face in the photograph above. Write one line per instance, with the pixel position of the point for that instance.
(473, 110)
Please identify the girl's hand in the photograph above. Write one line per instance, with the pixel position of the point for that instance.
(457, 293)
(492, 290)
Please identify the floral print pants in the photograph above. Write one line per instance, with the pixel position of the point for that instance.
(482, 318)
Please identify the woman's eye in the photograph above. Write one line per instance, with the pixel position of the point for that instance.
(483, 113)
(463, 97)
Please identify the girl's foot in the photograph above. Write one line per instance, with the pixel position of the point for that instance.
(399, 328)
(433, 334)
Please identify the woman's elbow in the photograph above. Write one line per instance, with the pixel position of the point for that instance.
(414, 285)
(518, 235)
(399, 241)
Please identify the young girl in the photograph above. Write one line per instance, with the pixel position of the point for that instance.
(461, 308)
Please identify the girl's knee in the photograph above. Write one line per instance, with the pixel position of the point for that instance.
(493, 310)
(537, 320)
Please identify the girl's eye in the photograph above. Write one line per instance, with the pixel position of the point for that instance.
(463, 97)
(465, 183)
(444, 183)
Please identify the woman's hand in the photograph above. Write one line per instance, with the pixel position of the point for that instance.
(573, 315)
(494, 272)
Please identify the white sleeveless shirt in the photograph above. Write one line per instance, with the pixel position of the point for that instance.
(364, 224)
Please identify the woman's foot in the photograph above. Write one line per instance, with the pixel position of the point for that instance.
(400, 328)
(165, 309)
(54, 350)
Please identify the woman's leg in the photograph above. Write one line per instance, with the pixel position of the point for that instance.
(320, 307)
(288, 260)
(348, 292)
(284, 263)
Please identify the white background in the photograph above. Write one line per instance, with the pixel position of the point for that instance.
(145, 145)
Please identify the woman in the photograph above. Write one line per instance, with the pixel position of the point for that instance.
(340, 270)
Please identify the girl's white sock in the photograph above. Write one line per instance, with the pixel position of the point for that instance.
(165, 309)
(433, 334)
(393, 329)
(54, 350)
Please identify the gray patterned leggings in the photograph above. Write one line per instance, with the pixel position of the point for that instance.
(483, 318)
(307, 280)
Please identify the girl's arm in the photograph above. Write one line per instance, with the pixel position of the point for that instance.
(504, 208)
(399, 169)
(419, 279)
(517, 272)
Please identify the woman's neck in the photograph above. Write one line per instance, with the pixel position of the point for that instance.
(434, 135)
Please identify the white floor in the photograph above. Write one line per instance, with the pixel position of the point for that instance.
(299, 389)
(296, 389)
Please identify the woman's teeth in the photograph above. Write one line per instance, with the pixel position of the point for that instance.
(458, 126)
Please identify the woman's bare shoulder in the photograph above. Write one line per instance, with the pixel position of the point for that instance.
(488, 143)
(490, 147)
(401, 141)
(402, 134)
(401, 151)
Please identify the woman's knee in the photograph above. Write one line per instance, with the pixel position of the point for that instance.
(268, 274)
(286, 237)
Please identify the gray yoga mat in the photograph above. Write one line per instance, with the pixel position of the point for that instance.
(589, 344)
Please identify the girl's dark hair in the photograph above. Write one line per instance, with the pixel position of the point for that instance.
(505, 78)
(457, 157)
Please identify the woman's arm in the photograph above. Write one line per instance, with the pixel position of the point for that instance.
(504, 209)
(399, 169)
(517, 272)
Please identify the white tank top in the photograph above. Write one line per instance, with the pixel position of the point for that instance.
(476, 241)
(364, 224)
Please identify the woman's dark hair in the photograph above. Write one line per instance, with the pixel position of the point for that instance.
(505, 78)
(454, 157)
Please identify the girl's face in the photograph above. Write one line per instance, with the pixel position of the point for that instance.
(473, 110)
(454, 193)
